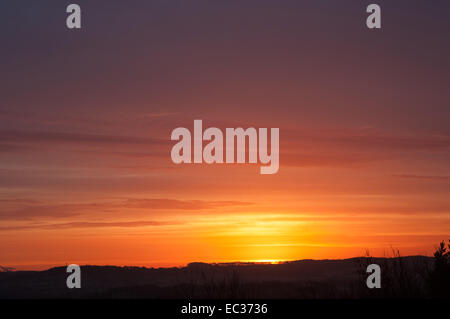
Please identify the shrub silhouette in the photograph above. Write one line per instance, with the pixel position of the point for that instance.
(404, 278)
(440, 276)
(401, 277)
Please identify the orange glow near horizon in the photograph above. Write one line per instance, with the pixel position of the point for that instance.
(299, 213)
(221, 237)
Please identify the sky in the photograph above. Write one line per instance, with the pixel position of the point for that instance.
(86, 116)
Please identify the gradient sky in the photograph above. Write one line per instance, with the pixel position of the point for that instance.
(86, 116)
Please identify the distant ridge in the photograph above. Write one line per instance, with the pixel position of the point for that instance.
(330, 278)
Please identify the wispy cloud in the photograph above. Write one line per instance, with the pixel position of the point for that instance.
(424, 177)
(30, 209)
(62, 137)
(344, 147)
(84, 224)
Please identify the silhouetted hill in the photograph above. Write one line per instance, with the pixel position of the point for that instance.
(296, 279)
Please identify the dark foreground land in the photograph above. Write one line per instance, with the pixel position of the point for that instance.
(401, 277)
